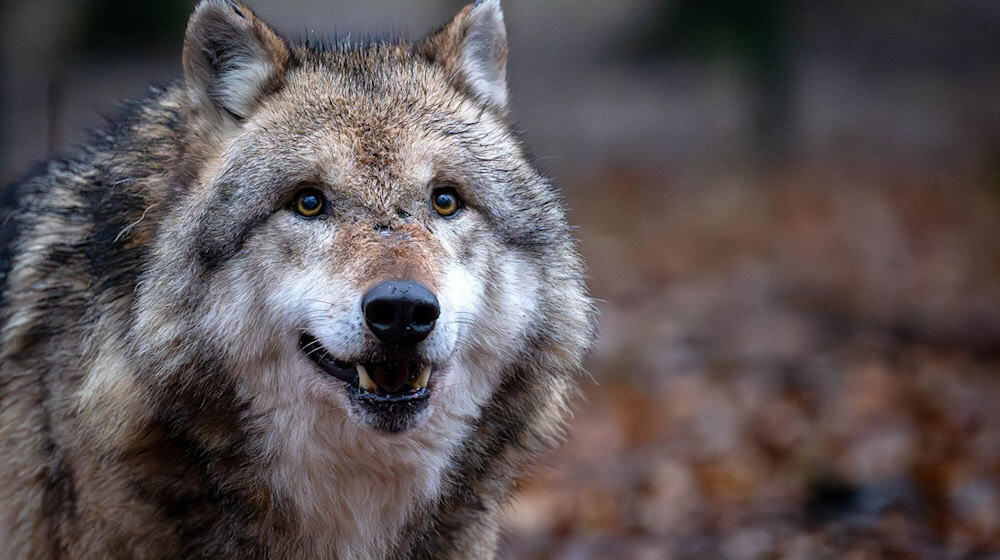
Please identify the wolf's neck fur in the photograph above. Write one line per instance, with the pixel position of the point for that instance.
(351, 489)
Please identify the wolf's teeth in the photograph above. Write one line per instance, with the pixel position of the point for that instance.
(425, 376)
(365, 381)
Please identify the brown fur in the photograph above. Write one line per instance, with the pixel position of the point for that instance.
(153, 401)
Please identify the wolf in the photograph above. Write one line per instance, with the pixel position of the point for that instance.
(311, 301)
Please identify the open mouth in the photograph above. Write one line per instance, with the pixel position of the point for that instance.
(382, 381)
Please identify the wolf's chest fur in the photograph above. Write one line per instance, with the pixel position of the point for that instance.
(351, 493)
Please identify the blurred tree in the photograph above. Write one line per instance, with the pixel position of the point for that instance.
(110, 24)
(756, 33)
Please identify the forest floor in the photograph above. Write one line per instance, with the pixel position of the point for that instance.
(794, 365)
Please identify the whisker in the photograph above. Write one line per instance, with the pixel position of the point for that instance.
(324, 302)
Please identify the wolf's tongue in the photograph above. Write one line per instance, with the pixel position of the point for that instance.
(391, 377)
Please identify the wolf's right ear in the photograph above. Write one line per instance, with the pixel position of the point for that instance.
(231, 58)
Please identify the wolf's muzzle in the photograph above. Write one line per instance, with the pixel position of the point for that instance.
(400, 313)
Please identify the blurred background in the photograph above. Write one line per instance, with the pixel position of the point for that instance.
(790, 212)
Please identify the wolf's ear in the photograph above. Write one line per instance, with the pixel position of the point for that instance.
(231, 58)
(473, 48)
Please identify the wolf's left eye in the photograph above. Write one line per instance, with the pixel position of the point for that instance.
(308, 203)
(446, 201)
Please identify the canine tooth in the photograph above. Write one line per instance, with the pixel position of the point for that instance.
(365, 380)
(425, 376)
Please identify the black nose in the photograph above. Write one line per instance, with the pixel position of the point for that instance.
(400, 312)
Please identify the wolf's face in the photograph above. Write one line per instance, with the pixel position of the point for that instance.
(363, 236)
(356, 237)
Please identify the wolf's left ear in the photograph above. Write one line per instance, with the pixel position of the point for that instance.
(473, 48)
(231, 58)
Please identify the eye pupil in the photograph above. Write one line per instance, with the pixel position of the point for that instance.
(446, 201)
(309, 203)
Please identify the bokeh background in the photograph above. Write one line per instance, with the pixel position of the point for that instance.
(790, 212)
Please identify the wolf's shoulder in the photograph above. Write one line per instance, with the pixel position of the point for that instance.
(86, 195)
(17, 201)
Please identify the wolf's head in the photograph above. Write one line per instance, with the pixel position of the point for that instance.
(358, 235)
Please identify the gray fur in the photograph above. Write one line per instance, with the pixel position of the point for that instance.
(142, 333)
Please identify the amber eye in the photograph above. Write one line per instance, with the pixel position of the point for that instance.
(308, 203)
(446, 201)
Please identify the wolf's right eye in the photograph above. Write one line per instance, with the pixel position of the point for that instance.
(308, 203)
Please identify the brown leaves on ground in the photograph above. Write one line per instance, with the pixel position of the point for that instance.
(801, 366)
